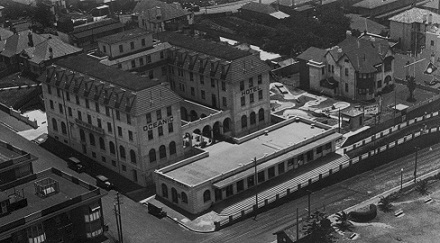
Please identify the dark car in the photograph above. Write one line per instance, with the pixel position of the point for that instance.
(75, 164)
(104, 183)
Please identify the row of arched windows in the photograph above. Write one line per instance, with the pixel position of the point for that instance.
(162, 152)
(252, 118)
(55, 126)
(174, 194)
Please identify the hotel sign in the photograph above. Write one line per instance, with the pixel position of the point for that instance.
(89, 127)
(159, 123)
(250, 90)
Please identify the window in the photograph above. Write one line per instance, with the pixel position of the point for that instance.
(251, 98)
(119, 131)
(333, 69)
(104, 49)
(271, 172)
(79, 115)
(92, 139)
(193, 91)
(207, 196)
(128, 119)
(162, 152)
(261, 177)
(36, 234)
(118, 115)
(169, 111)
(225, 102)
(69, 111)
(253, 118)
(77, 99)
(130, 135)
(229, 190)
(281, 168)
(103, 159)
(89, 119)
(122, 151)
(260, 94)
(164, 70)
(191, 76)
(244, 121)
(243, 101)
(202, 79)
(124, 168)
(133, 63)
(132, 156)
(150, 135)
(261, 115)
(184, 197)
(107, 111)
(203, 94)
(172, 147)
(162, 55)
(87, 104)
(251, 82)
(51, 104)
(241, 85)
(132, 45)
(379, 83)
(109, 127)
(158, 114)
(180, 72)
(94, 215)
(432, 43)
(101, 143)
(164, 191)
(151, 74)
(58, 92)
(148, 117)
(97, 107)
(148, 58)
(63, 128)
(212, 83)
(240, 185)
(160, 131)
(152, 155)
(49, 89)
(67, 96)
(260, 79)
(250, 181)
(346, 71)
(328, 146)
(141, 61)
(170, 127)
(143, 42)
(82, 135)
(346, 87)
(223, 85)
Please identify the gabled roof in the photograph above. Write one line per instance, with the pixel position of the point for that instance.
(313, 53)
(123, 36)
(5, 33)
(52, 48)
(167, 11)
(259, 8)
(415, 15)
(20, 41)
(222, 51)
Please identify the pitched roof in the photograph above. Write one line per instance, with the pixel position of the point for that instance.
(364, 54)
(370, 4)
(259, 8)
(168, 11)
(5, 33)
(313, 53)
(20, 41)
(215, 49)
(52, 48)
(93, 25)
(415, 15)
(362, 24)
(124, 36)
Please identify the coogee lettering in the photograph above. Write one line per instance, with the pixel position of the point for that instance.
(158, 123)
(250, 91)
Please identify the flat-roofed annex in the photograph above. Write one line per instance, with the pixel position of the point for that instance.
(224, 157)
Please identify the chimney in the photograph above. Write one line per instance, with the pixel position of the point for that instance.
(31, 41)
(50, 52)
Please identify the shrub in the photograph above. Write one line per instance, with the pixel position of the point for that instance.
(364, 216)
(422, 187)
(385, 204)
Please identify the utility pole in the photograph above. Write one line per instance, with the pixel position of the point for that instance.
(308, 201)
(115, 209)
(297, 225)
(256, 186)
(339, 120)
(415, 165)
(119, 219)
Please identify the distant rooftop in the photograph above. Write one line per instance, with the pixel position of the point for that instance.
(124, 36)
(215, 49)
(371, 4)
(224, 157)
(416, 15)
(9, 153)
(90, 66)
(313, 53)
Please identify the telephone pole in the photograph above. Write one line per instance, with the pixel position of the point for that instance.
(118, 218)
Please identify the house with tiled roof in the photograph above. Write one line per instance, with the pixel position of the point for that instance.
(409, 27)
(157, 16)
(35, 59)
(260, 10)
(357, 68)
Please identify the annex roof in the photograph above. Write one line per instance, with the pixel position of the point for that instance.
(365, 24)
(313, 53)
(52, 48)
(224, 157)
(415, 15)
(20, 41)
(124, 36)
(167, 11)
(222, 51)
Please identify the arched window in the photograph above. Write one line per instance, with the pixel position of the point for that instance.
(253, 118)
(172, 147)
(184, 197)
(207, 196)
(152, 155)
(54, 124)
(82, 135)
(122, 151)
(92, 139)
(112, 147)
(261, 115)
(164, 190)
(101, 143)
(132, 156)
(244, 121)
(162, 152)
(174, 195)
(63, 128)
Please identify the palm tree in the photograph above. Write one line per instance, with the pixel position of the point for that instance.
(385, 204)
(422, 187)
(343, 222)
(318, 229)
(411, 84)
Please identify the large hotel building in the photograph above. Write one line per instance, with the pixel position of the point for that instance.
(171, 126)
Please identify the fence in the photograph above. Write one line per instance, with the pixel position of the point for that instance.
(345, 164)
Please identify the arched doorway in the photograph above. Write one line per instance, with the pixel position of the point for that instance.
(193, 115)
(174, 195)
(216, 130)
(183, 113)
(207, 131)
(227, 125)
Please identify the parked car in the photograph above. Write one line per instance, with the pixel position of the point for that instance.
(282, 89)
(103, 182)
(75, 164)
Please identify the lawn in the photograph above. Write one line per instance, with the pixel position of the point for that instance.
(419, 223)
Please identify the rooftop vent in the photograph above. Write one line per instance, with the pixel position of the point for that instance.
(46, 187)
(297, 119)
(266, 132)
(312, 125)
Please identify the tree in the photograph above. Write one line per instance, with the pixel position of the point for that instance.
(385, 204)
(422, 187)
(342, 222)
(43, 15)
(318, 229)
(411, 84)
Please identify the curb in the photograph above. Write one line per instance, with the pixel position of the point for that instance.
(189, 228)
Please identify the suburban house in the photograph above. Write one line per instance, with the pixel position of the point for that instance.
(157, 16)
(357, 68)
(409, 28)
(253, 10)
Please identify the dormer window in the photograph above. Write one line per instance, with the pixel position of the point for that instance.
(212, 66)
